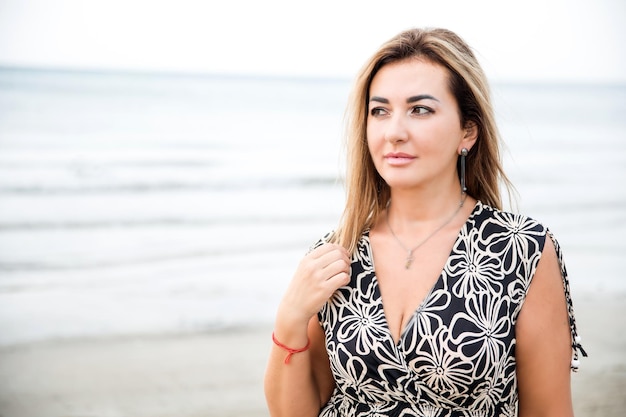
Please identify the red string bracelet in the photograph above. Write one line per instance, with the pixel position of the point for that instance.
(288, 349)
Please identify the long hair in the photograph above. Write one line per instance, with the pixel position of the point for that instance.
(367, 194)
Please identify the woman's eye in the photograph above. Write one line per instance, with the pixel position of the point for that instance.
(377, 111)
(419, 110)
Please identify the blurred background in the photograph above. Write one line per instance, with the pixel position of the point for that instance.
(164, 165)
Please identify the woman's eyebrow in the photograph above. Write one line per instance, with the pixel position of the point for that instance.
(379, 100)
(409, 100)
(420, 97)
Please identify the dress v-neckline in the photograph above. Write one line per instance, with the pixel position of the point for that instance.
(409, 323)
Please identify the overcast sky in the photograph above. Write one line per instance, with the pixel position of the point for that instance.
(515, 40)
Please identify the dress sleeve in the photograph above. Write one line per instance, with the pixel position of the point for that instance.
(575, 338)
(324, 239)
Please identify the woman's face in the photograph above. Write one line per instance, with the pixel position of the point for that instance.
(414, 131)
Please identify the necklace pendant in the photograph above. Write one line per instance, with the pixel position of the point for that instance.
(409, 261)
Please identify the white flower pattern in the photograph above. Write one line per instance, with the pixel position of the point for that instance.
(456, 356)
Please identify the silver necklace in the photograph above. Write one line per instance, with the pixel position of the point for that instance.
(409, 256)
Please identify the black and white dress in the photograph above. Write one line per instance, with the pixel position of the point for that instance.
(456, 356)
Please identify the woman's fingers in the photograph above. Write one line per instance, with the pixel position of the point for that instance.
(329, 260)
(327, 248)
(318, 276)
(338, 280)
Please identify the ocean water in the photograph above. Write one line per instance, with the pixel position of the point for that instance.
(139, 203)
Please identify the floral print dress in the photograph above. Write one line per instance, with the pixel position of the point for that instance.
(456, 356)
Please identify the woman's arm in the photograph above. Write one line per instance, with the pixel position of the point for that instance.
(304, 384)
(544, 343)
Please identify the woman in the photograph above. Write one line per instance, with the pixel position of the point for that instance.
(427, 300)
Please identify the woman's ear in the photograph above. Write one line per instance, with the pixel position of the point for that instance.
(470, 135)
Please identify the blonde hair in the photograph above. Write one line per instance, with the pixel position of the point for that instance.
(367, 194)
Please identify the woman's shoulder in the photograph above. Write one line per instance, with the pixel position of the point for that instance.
(491, 217)
(491, 224)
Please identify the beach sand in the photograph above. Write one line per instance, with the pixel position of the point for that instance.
(221, 373)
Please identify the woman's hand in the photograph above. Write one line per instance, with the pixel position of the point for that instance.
(319, 274)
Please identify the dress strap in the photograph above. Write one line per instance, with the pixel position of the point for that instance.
(575, 337)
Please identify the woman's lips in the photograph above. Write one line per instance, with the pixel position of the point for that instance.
(398, 159)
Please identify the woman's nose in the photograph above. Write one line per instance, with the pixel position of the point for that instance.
(396, 129)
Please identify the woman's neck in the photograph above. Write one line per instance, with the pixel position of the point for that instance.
(411, 207)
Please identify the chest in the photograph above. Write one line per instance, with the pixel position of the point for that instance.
(404, 279)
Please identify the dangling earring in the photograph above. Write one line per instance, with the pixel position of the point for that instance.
(464, 153)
